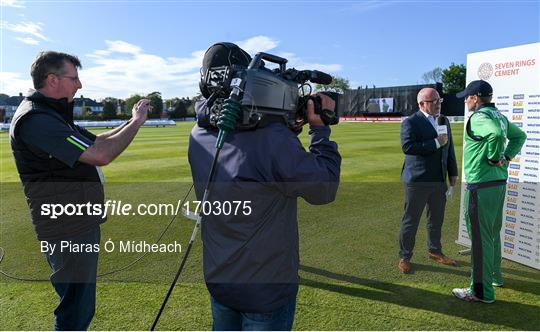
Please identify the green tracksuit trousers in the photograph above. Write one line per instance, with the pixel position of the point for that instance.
(483, 216)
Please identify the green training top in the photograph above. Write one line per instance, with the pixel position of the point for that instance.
(489, 136)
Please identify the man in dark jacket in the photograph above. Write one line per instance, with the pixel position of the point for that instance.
(58, 163)
(251, 256)
(429, 157)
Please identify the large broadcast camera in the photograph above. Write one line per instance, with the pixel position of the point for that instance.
(266, 95)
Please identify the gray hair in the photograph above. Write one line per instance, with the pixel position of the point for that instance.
(50, 62)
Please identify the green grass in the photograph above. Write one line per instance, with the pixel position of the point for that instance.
(350, 279)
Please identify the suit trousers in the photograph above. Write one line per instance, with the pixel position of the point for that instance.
(418, 196)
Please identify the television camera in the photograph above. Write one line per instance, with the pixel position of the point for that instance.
(266, 95)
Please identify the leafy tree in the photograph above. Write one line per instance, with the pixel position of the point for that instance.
(453, 78)
(157, 104)
(433, 76)
(178, 107)
(191, 107)
(339, 85)
(109, 108)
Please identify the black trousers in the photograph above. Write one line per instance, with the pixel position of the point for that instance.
(417, 196)
(74, 280)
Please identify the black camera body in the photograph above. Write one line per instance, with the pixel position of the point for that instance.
(266, 95)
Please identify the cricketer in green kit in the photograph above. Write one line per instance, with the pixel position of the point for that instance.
(490, 142)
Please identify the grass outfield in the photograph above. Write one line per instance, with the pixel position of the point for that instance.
(350, 279)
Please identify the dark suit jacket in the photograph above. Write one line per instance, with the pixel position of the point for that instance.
(422, 158)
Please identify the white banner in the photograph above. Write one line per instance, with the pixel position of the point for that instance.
(514, 74)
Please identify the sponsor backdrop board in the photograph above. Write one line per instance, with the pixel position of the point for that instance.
(514, 73)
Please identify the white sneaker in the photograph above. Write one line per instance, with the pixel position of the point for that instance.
(466, 295)
(497, 284)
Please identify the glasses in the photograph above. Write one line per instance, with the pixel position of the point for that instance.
(435, 101)
(74, 79)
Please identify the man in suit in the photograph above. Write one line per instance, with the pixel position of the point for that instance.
(429, 157)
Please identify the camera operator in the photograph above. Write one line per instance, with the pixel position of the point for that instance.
(251, 259)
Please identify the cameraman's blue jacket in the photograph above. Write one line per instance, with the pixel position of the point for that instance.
(250, 250)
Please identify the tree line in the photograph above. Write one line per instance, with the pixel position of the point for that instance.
(453, 79)
(115, 108)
